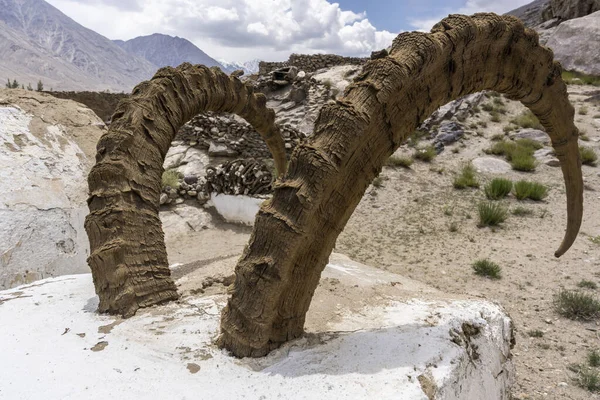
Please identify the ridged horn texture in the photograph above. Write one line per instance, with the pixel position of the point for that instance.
(128, 257)
(294, 232)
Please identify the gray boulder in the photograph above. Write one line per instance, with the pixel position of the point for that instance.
(532, 134)
(491, 165)
(575, 44)
(570, 9)
(449, 132)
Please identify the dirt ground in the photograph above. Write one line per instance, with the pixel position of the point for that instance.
(404, 227)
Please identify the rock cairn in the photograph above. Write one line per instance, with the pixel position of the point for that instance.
(247, 177)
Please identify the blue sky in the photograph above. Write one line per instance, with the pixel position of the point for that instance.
(396, 15)
(240, 30)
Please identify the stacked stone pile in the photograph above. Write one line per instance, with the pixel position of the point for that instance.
(225, 135)
(189, 188)
(249, 177)
(310, 62)
(239, 177)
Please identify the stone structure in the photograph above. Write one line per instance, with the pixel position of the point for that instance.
(310, 62)
(295, 231)
(227, 135)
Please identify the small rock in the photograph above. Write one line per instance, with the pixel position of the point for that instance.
(192, 193)
(563, 384)
(163, 198)
(190, 179)
(491, 165)
(532, 134)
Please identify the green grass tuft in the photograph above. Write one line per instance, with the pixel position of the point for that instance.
(491, 214)
(377, 182)
(576, 305)
(588, 156)
(171, 178)
(530, 190)
(523, 160)
(400, 161)
(425, 154)
(527, 120)
(585, 284)
(577, 78)
(498, 188)
(535, 333)
(487, 268)
(521, 211)
(466, 178)
(594, 358)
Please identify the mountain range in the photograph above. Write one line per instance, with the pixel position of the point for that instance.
(39, 42)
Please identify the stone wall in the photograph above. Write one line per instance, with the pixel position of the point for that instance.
(102, 103)
(310, 62)
(226, 135)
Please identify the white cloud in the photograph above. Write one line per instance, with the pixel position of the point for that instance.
(471, 7)
(234, 29)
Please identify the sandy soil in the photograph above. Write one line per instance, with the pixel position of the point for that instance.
(404, 227)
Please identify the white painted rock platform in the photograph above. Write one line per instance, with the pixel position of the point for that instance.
(364, 341)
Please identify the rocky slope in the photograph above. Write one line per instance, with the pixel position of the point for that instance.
(164, 50)
(37, 41)
(576, 44)
(46, 151)
(539, 11)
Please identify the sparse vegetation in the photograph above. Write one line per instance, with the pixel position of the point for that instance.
(400, 161)
(171, 178)
(535, 333)
(491, 213)
(583, 110)
(530, 190)
(527, 120)
(577, 78)
(453, 226)
(523, 160)
(519, 153)
(521, 211)
(425, 154)
(487, 268)
(576, 305)
(588, 378)
(377, 182)
(585, 284)
(498, 188)
(595, 239)
(415, 138)
(466, 178)
(588, 156)
(594, 358)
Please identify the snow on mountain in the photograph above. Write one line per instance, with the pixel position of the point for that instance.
(249, 67)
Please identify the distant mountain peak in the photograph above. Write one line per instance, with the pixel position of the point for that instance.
(165, 50)
(39, 42)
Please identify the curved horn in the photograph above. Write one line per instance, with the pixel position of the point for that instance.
(294, 232)
(128, 256)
